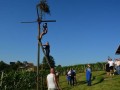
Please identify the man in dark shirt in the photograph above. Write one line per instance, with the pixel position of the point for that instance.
(45, 30)
(72, 75)
(47, 49)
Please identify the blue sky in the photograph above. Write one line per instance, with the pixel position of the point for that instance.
(86, 31)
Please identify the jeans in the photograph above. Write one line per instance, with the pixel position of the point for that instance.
(118, 69)
(72, 81)
(89, 82)
(52, 89)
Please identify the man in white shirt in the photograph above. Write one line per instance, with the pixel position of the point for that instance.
(51, 80)
(111, 66)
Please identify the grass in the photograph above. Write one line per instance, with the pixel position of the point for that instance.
(99, 82)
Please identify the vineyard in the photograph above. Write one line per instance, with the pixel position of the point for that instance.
(99, 66)
(22, 80)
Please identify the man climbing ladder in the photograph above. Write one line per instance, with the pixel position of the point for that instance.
(45, 30)
(47, 49)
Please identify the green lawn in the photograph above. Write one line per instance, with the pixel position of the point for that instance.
(99, 82)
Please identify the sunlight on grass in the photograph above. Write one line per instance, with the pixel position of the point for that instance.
(99, 82)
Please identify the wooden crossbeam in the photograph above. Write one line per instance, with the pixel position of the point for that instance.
(40, 21)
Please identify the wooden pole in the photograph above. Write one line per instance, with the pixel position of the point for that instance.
(38, 59)
(39, 20)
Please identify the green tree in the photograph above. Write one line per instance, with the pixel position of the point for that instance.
(3, 66)
(16, 65)
(50, 61)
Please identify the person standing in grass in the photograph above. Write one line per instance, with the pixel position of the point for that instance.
(75, 80)
(88, 75)
(52, 83)
(71, 73)
(67, 77)
(107, 69)
(111, 66)
(118, 66)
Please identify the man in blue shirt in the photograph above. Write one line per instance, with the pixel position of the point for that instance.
(88, 75)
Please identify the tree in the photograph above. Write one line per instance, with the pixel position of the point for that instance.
(51, 62)
(18, 63)
(16, 66)
(3, 66)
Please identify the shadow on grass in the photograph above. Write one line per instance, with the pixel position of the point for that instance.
(81, 82)
(84, 82)
(93, 78)
(101, 74)
(98, 80)
(67, 88)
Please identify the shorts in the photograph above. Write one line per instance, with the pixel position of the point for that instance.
(52, 89)
(111, 67)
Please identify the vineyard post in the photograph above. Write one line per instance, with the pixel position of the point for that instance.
(1, 79)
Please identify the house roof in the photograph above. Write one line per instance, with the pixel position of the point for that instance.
(118, 50)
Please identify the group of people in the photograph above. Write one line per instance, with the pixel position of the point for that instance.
(53, 78)
(71, 77)
(112, 67)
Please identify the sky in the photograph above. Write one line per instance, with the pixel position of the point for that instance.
(85, 31)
